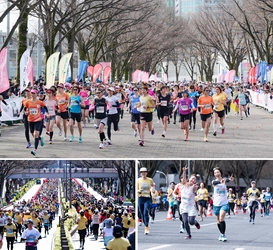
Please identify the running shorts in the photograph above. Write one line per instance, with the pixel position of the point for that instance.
(217, 209)
(99, 121)
(148, 117)
(76, 116)
(204, 117)
(63, 115)
(184, 117)
(53, 117)
(220, 113)
(135, 118)
(35, 126)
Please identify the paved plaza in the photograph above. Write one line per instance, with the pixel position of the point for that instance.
(247, 138)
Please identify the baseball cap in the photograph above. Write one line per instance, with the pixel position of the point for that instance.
(253, 182)
(30, 221)
(111, 89)
(143, 170)
(181, 85)
(117, 231)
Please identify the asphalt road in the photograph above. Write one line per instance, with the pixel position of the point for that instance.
(247, 138)
(241, 235)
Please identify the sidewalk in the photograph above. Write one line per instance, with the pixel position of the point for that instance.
(90, 242)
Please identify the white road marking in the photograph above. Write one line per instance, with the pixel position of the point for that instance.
(159, 247)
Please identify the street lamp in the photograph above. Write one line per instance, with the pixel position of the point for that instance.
(166, 178)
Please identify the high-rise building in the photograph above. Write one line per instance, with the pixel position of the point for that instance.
(184, 7)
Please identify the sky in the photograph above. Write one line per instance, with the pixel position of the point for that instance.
(13, 17)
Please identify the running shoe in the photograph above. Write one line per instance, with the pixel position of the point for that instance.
(80, 139)
(141, 143)
(105, 143)
(42, 141)
(215, 133)
(224, 238)
(197, 225)
(250, 220)
(146, 232)
(221, 237)
(139, 139)
(71, 138)
(153, 132)
(101, 146)
(135, 133)
(188, 237)
(223, 130)
(28, 145)
(182, 230)
(241, 118)
(253, 222)
(158, 121)
(34, 152)
(109, 142)
(163, 134)
(50, 141)
(65, 138)
(84, 125)
(48, 133)
(202, 129)
(60, 132)
(194, 127)
(187, 138)
(174, 122)
(189, 127)
(205, 139)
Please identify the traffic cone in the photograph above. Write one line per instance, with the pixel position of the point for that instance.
(209, 213)
(170, 214)
(236, 209)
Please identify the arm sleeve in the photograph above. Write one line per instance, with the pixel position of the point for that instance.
(215, 182)
(4, 102)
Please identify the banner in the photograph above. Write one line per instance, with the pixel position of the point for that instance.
(9, 113)
(244, 70)
(262, 99)
(68, 76)
(97, 71)
(4, 78)
(81, 69)
(106, 74)
(51, 68)
(230, 76)
(63, 66)
(30, 71)
(136, 76)
(90, 70)
(23, 70)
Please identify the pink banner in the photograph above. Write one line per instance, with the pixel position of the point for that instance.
(230, 76)
(136, 75)
(4, 78)
(250, 73)
(90, 70)
(97, 70)
(30, 70)
(105, 64)
(106, 74)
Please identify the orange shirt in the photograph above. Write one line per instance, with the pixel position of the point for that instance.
(62, 101)
(207, 101)
(34, 110)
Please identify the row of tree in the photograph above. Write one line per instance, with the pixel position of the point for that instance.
(143, 34)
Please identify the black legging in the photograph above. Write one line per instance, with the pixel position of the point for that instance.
(114, 118)
(26, 125)
(193, 117)
(252, 208)
(10, 242)
(227, 107)
(158, 112)
(231, 207)
(267, 207)
(152, 212)
(173, 207)
(188, 220)
(82, 234)
(18, 230)
(96, 229)
(180, 215)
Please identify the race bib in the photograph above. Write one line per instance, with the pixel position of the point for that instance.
(207, 106)
(216, 104)
(50, 109)
(61, 102)
(184, 107)
(100, 109)
(10, 231)
(164, 103)
(33, 111)
(74, 103)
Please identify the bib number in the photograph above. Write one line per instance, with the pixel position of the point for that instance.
(100, 109)
(33, 111)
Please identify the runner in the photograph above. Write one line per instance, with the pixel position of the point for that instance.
(112, 113)
(248, 100)
(154, 194)
(100, 106)
(231, 201)
(25, 120)
(242, 102)
(202, 200)
(193, 94)
(185, 108)
(228, 92)
(51, 104)
(135, 114)
(220, 201)
(177, 196)
(144, 185)
(205, 103)
(82, 223)
(146, 106)
(244, 202)
(262, 202)
(33, 107)
(172, 201)
(163, 101)
(187, 206)
(76, 102)
(31, 235)
(62, 111)
(10, 230)
(253, 194)
(219, 100)
(268, 198)
(85, 93)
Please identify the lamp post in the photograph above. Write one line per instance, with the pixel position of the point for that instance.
(166, 178)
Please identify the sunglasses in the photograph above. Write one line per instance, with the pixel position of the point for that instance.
(206, 90)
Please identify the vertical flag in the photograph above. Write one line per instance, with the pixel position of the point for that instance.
(90, 70)
(106, 74)
(51, 68)
(30, 70)
(81, 69)
(4, 78)
(63, 66)
(23, 70)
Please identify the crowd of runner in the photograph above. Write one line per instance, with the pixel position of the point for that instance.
(71, 106)
(187, 199)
